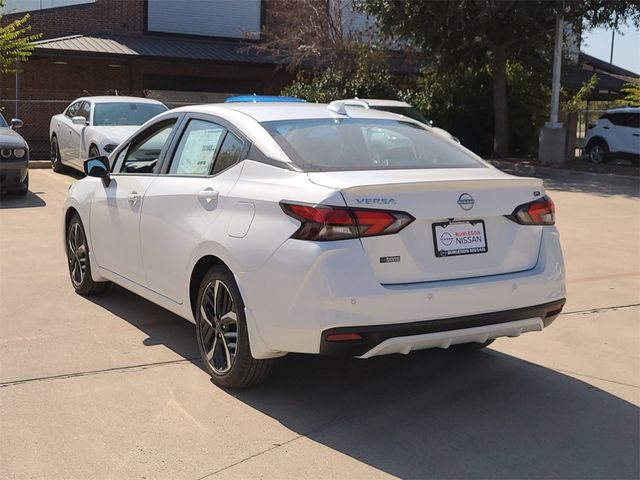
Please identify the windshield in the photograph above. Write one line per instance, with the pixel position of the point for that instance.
(407, 112)
(3, 123)
(365, 144)
(110, 114)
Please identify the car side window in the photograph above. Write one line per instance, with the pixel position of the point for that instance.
(618, 119)
(83, 110)
(634, 120)
(117, 163)
(143, 153)
(229, 153)
(72, 110)
(197, 149)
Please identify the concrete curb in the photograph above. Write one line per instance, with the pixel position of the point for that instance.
(559, 173)
(39, 164)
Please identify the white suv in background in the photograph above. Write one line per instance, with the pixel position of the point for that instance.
(615, 134)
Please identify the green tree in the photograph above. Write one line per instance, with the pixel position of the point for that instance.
(15, 42)
(457, 35)
(632, 91)
(578, 101)
(332, 83)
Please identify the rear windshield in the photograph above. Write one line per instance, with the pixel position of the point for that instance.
(365, 144)
(110, 114)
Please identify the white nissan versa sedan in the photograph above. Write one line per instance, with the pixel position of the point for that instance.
(325, 229)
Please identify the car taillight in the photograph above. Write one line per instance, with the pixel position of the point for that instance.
(538, 212)
(326, 222)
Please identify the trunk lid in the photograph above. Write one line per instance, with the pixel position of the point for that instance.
(441, 197)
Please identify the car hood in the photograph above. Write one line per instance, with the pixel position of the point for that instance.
(115, 134)
(11, 139)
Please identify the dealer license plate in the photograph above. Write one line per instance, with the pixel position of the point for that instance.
(459, 238)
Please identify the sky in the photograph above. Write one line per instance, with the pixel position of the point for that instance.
(626, 47)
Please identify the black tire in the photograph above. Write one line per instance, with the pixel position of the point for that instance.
(56, 161)
(230, 364)
(78, 259)
(473, 346)
(598, 151)
(24, 189)
(93, 152)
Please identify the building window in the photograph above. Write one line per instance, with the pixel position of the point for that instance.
(19, 6)
(211, 18)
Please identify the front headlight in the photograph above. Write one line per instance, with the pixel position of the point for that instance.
(5, 152)
(109, 147)
(19, 152)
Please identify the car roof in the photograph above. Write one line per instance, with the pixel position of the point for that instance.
(118, 99)
(261, 98)
(624, 110)
(380, 102)
(266, 112)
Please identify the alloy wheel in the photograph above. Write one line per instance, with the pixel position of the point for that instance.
(596, 154)
(219, 327)
(77, 253)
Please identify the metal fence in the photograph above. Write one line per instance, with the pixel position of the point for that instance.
(37, 110)
(36, 115)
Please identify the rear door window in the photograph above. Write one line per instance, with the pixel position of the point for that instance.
(197, 149)
(229, 153)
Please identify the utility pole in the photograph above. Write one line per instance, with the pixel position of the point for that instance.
(613, 38)
(17, 86)
(555, 79)
(553, 137)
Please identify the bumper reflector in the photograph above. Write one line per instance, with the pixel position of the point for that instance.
(343, 337)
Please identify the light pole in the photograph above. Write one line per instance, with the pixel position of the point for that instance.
(552, 139)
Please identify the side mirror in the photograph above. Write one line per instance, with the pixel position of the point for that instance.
(97, 167)
(79, 121)
(16, 123)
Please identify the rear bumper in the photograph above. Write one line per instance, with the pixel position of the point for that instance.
(428, 334)
(13, 173)
(307, 289)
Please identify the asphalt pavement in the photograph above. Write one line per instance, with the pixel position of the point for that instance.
(112, 386)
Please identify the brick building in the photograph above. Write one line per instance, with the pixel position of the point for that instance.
(181, 52)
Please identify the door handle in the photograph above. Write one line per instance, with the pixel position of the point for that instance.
(209, 195)
(606, 128)
(133, 198)
(636, 134)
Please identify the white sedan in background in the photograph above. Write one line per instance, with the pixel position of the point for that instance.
(93, 126)
(319, 229)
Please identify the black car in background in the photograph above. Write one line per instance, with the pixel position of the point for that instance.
(14, 159)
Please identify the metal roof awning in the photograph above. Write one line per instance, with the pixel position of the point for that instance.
(611, 78)
(151, 46)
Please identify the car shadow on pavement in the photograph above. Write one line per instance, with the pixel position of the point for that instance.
(430, 414)
(448, 414)
(30, 200)
(161, 326)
